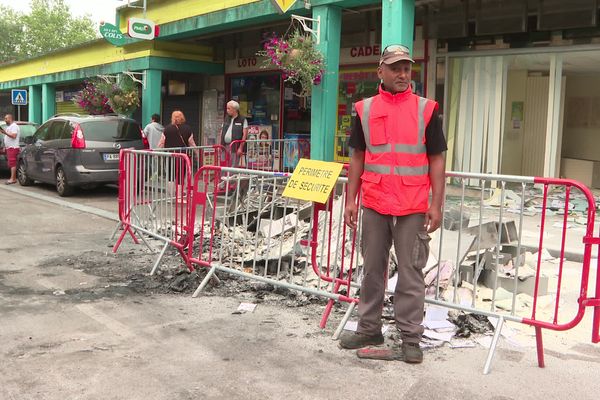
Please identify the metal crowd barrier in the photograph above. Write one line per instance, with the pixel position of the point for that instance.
(154, 196)
(202, 155)
(253, 232)
(281, 155)
(495, 229)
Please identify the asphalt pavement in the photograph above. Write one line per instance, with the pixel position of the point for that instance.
(78, 322)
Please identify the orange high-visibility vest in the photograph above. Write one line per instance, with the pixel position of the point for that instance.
(395, 180)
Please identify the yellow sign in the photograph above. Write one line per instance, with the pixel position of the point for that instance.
(312, 180)
(283, 5)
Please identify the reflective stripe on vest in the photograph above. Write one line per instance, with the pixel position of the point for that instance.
(418, 148)
(387, 170)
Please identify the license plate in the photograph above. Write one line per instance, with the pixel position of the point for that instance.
(111, 156)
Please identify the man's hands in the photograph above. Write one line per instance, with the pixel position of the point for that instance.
(433, 219)
(351, 214)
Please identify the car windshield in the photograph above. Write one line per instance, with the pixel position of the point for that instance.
(115, 130)
(26, 130)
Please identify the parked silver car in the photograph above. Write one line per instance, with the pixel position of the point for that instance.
(73, 150)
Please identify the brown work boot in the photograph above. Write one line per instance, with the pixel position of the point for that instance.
(356, 340)
(412, 353)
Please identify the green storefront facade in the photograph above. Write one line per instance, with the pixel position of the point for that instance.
(185, 66)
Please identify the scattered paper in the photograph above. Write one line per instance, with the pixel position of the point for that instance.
(436, 313)
(439, 326)
(487, 294)
(485, 341)
(546, 256)
(429, 344)
(461, 343)
(506, 196)
(391, 285)
(271, 229)
(560, 225)
(351, 326)
(441, 336)
(442, 274)
(246, 307)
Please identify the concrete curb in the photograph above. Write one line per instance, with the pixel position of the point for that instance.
(79, 207)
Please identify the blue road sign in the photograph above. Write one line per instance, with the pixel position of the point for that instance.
(19, 97)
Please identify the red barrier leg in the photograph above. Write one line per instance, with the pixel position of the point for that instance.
(596, 325)
(328, 308)
(118, 244)
(122, 236)
(135, 240)
(540, 346)
(326, 314)
(186, 259)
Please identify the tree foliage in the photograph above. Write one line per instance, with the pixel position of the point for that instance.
(10, 33)
(49, 26)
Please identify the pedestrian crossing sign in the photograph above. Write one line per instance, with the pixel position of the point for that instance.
(19, 97)
(283, 5)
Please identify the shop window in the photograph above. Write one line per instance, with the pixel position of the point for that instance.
(296, 126)
(357, 84)
(260, 100)
(176, 88)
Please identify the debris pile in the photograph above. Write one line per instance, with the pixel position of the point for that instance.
(267, 235)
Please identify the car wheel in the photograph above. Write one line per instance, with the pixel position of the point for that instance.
(62, 185)
(22, 177)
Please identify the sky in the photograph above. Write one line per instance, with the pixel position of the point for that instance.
(98, 10)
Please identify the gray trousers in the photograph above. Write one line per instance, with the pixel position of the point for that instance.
(411, 243)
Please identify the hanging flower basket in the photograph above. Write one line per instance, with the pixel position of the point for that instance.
(92, 99)
(123, 95)
(298, 59)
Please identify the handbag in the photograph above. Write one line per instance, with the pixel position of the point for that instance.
(181, 137)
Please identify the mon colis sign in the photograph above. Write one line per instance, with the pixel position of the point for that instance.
(113, 34)
(136, 29)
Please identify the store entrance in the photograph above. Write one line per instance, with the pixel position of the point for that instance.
(259, 96)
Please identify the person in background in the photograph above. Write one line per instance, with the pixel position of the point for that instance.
(177, 133)
(235, 127)
(11, 144)
(154, 131)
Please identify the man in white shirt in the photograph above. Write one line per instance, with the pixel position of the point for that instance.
(11, 144)
(154, 131)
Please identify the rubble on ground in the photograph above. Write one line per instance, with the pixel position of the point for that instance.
(475, 261)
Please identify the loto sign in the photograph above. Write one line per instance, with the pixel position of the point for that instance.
(244, 64)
